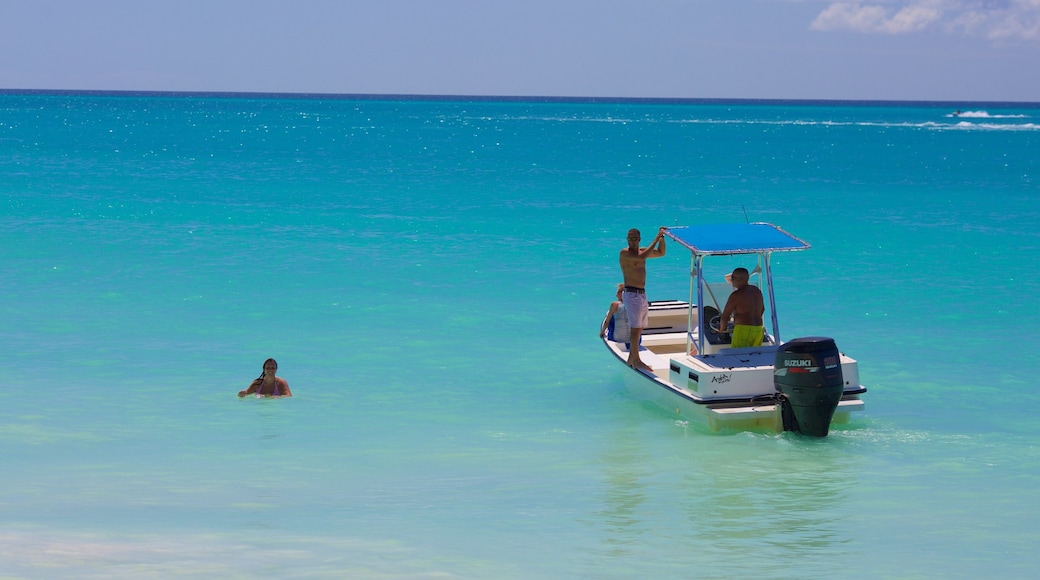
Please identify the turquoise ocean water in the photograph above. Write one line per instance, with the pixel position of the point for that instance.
(430, 276)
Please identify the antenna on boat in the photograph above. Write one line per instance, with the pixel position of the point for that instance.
(745, 213)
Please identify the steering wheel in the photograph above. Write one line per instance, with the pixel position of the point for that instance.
(713, 325)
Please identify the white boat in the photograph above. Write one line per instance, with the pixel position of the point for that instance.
(802, 385)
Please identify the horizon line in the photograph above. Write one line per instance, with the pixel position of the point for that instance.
(491, 98)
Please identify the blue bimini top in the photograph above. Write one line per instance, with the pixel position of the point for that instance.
(722, 239)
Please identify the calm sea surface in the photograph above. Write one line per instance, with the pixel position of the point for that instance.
(430, 276)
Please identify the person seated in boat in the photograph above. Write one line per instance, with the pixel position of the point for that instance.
(747, 308)
(267, 384)
(615, 323)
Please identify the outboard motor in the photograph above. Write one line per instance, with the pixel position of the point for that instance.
(807, 374)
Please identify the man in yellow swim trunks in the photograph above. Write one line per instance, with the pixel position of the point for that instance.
(747, 308)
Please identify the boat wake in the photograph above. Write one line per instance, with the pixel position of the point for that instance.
(983, 115)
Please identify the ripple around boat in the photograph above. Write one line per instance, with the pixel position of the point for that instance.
(802, 385)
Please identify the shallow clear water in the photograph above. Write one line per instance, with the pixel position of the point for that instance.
(430, 276)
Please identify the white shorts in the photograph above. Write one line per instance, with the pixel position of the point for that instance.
(637, 309)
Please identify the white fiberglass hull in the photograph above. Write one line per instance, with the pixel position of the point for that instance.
(727, 390)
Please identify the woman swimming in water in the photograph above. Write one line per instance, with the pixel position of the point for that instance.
(268, 385)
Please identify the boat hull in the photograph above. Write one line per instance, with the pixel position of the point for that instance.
(744, 400)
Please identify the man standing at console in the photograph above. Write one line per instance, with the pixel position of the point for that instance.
(746, 306)
(633, 270)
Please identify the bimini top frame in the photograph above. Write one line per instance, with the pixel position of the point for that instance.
(727, 240)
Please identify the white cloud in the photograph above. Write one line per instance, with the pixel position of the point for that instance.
(1016, 19)
(994, 19)
(842, 16)
(911, 19)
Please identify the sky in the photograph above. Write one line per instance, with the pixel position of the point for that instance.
(946, 50)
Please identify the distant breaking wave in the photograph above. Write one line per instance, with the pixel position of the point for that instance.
(992, 126)
(961, 125)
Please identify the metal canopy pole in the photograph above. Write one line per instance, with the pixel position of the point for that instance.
(699, 275)
(772, 299)
(689, 306)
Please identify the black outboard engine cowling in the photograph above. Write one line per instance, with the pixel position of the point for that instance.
(807, 373)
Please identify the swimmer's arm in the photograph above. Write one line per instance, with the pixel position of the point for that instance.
(251, 389)
(285, 389)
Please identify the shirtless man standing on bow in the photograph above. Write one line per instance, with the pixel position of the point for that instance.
(633, 269)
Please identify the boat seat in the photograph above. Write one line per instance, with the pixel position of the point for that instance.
(651, 340)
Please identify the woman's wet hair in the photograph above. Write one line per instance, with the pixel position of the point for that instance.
(263, 373)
